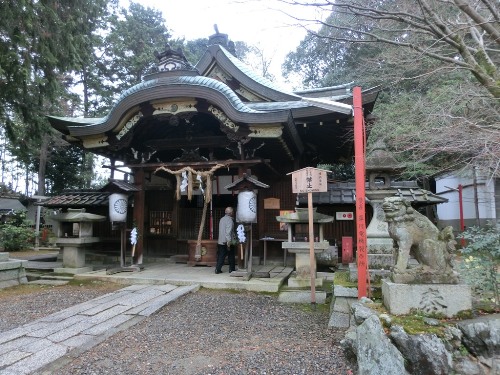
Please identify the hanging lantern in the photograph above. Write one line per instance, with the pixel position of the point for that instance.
(247, 197)
(118, 204)
(247, 207)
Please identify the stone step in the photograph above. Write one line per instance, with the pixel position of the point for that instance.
(55, 277)
(33, 276)
(301, 296)
(49, 282)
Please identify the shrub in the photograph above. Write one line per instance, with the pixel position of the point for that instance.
(16, 234)
(481, 261)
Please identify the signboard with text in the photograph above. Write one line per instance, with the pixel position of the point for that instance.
(309, 180)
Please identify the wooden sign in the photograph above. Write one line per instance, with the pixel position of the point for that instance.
(271, 204)
(309, 180)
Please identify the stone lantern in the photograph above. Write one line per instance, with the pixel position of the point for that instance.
(381, 166)
(301, 247)
(74, 234)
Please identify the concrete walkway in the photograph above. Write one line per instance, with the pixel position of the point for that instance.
(69, 332)
(181, 274)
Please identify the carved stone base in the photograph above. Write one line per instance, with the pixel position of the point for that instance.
(424, 275)
(375, 274)
(447, 299)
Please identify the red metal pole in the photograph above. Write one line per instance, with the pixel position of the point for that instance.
(359, 163)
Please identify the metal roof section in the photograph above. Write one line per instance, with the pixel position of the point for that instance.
(114, 186)
(246, 178)
(317, 105)
(239, 101)
(76, 199)
(10, 205)
(218, 55)
(170, 87)
(330, 105)
(338, 92)
(78, 216)
(345, 193)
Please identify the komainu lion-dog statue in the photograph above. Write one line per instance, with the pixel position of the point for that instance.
(414, 234)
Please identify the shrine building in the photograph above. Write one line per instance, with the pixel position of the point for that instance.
(188, 133)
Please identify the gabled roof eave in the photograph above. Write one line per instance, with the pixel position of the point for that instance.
(216, 54)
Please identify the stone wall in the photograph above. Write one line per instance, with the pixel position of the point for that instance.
(12, 271)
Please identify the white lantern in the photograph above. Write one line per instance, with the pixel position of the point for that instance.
(247, 207)
(118, 204)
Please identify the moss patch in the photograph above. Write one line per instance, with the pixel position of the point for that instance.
(342, 278)
(415, 324)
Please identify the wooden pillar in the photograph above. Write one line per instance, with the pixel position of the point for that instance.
(360, 167)
(139, 201)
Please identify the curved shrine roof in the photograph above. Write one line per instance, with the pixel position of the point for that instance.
(218, 104)
(170, 87)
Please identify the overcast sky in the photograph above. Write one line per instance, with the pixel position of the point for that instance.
(256, 22)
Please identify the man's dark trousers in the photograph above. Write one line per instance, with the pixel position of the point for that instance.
(222, 252)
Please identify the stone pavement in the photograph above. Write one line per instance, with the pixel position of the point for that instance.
(29, 348)
(181, 274)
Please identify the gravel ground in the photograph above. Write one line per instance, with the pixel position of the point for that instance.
(22, 304)
(207, 332)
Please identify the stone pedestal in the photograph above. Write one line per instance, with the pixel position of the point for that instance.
(303, 266)
(447, 299)
(12, 271)
(297, 282)
(73, 250)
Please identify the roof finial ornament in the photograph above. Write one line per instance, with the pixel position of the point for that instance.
(171, 59)
(221, 39)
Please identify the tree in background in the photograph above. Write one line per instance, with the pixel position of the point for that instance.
(134, 34)
(53, 51)
(438, 66)
(118, 57)
(42, 42)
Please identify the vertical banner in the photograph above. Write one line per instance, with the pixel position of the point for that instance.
(359, 160)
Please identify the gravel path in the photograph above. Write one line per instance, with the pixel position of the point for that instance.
(207, 332)
(25, 303)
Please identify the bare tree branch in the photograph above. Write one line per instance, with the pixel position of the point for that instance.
(457, 32)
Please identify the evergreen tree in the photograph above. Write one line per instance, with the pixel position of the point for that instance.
(42, 42)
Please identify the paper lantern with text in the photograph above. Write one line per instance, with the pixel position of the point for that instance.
(247, 207)
(118, 204)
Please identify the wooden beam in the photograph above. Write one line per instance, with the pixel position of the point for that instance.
(177, 143)
(199, 164)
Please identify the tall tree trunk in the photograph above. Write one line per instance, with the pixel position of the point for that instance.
(86, 105)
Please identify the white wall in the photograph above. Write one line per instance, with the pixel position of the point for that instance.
(448, 212)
